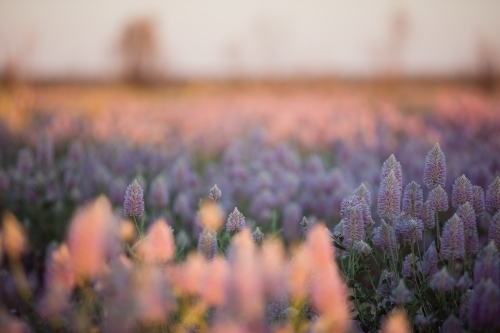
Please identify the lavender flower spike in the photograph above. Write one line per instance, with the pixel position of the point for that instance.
(438, 199)
(392, 164)
(362, 248)
(452, 240)
(430, 261)
(452, 325)
(207, 243)
(413, 199)
(365, 200)
(133, 204)
(389, 197)
(442, 281)
(401, 295)
(485, 307)
(215, 193)
(494, 232)
(428, 215)
(461, 192)
(352, 226)
(493, 196)
(257, 235)
(235, 221)
(465, 302)
(468, 217)
(435, 167)
(478, 200)
(384, 237)
(488, 266)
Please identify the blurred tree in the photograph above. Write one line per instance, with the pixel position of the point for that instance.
(140, 52)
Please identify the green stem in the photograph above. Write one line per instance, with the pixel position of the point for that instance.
(138, 229)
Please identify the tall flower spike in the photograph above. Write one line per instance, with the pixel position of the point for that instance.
(385, 288)
(485, 307)
(461, 192)
(401, 295)
(384, 237)
(362, 248)
(411, 265)
(207, 243)
(487, 266)
(435, 167)
(347, 203)
(464, 283)
(133, 204)
(466, 213)
(494, 232)
(235, 221)
(365, 200)
(392, 164)
(413, 199)
(428, 215)
(465, 302)
(493, 196)
(430, 261)
(438, 199)
(215, 193)
(389, 197)
(442, 281)
(352, 226)
(478, 200)
(408, 230)
(452, 240)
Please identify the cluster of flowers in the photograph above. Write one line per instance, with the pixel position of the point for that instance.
(105, 276)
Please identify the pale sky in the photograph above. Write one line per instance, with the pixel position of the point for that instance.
(253, 38)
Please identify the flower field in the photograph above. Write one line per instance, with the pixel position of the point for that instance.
(247, 212)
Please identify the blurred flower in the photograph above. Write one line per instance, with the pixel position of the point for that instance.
(409, 263)
(211, 215)
(494, 232)
(257, 235)
(235, 221)
(478, 200)
(215, 193)
(428, 215)
(384, 237)
(304, 223)
(45, 151)
(400, 295)
(430, 260)
(452, 239)
(485, 306)
(292, 214)
(214, 282)
(461, 191)
(442, 281)
(389, 197)
(466, 214)
(181, 205)
(435, 167)
(464, 283)
(465, 302)
(396, 323)
(91, 232)
(133, 204)
(451, 325)
(158, 244)
(413, 200)
(207, 243)
(116, 190)
(13, 236)
(438, 199)
(387, 283)
(493, 196)
(487, 265)
(158, 193)
(362, 248)
(25, 163)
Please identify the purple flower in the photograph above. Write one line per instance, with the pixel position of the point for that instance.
(384, 237)
(292, 215)
(493, 196)
(451, 325)
(352, 226)
(461, 192)
(408, 230)
(133, 204)
(389, 197)
(487, 265)
(438, 199)
(452, 240)
(158, 193)
(257, 235)
(207, 243)
(215, 193)
(400, 295)
(435, 167)
(347, 203)
(478, 200)
(364, 196)
(466, 213)
(485, 306)
(465, 302)
(442, 281)
(116, 188)
(464, 283)
(494, 232)
(362, 248)
(428, 215)
(413, 200)
(392, 164)
(235, 221)
(182, 205)
(387, 283)
(409, 264)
